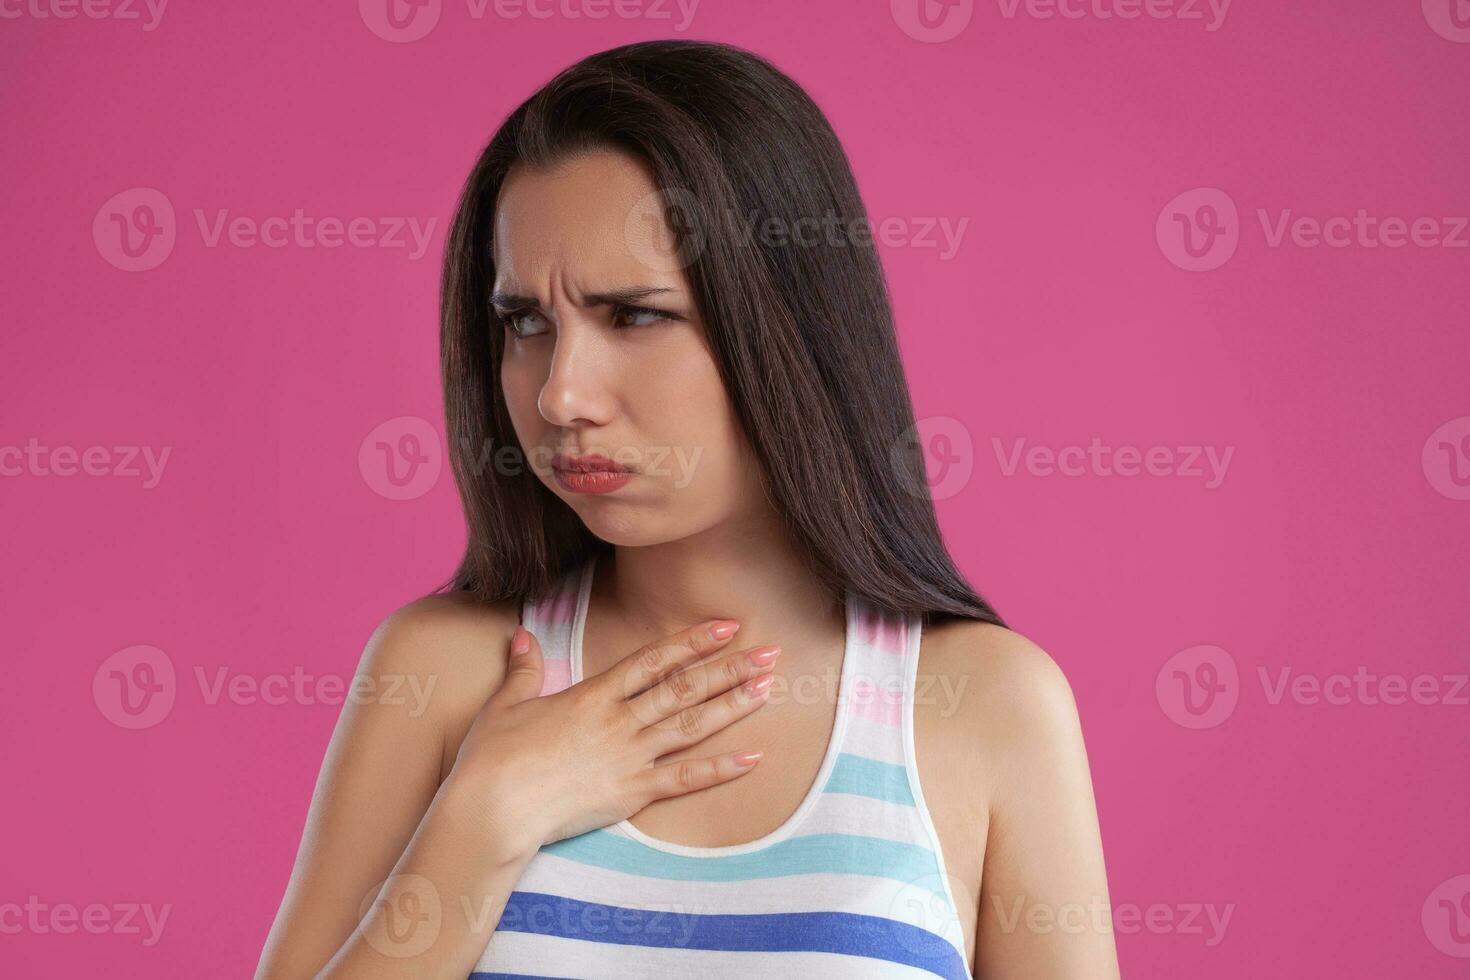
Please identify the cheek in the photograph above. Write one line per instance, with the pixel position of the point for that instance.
(692, 424)
(520, 389)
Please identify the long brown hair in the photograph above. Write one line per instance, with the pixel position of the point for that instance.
(802, 331)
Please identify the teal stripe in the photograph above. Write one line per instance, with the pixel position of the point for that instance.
(847, 854)
(868, 777)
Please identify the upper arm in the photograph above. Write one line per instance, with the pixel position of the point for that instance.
(1044, 906)
(423, 674)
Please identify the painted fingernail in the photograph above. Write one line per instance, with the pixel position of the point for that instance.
(724, 629)
(761, 656)
(757, 687)
(747, 758)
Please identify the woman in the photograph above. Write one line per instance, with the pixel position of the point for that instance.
(677, 411)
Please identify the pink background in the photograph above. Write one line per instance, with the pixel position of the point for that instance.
(1335, 541)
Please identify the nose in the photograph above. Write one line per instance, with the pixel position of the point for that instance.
(576, 392)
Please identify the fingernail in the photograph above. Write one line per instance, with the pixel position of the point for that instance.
(747, 758)
(724, 629)
(520, 641)
(757, 687)
(761, 656)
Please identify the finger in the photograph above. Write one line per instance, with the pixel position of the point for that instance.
(652, 662)
(699, 721)
(688, 775)
(697, 684)
(524, 669)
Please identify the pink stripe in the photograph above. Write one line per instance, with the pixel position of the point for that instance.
(560, 607)
(885, 633)
(881, 704)
(556, 676)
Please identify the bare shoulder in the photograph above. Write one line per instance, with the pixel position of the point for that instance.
(1007, 697)
(450, 644)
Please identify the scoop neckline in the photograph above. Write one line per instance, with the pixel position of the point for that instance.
(835, 738)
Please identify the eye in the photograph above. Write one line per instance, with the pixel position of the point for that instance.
(520, 322)
(625, 316)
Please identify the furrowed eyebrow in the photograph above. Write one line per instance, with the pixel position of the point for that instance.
(627, 294)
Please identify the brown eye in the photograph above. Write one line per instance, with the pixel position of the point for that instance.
(637, 316)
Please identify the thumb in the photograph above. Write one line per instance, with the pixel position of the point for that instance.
(524, 669)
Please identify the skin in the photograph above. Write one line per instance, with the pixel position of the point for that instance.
(997, 736)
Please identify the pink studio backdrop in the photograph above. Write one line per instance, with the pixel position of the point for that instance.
(1095, 253)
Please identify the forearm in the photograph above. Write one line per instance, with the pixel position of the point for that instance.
(444, 898)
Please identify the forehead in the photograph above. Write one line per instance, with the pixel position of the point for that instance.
(590, 215)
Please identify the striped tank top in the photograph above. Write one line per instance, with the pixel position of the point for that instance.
(852, 885)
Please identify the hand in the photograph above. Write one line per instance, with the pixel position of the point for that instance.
(586, 757)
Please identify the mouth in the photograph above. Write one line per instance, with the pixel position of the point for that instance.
(589, 474)
(591, 463)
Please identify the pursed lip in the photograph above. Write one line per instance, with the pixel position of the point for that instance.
(593, 463)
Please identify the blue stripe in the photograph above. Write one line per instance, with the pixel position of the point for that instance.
(842, 854)
(869, 777)
(785, 932)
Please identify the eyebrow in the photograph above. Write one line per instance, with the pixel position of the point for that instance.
(626, 294)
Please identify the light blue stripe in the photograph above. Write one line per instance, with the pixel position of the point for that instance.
(868, 777)
(843, 854)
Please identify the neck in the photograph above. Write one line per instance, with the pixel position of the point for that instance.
(743, 573)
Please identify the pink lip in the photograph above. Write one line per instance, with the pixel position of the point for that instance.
(589, 474)
(591, 463)
(595, 481)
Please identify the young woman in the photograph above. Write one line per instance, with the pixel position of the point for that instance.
(676, 411)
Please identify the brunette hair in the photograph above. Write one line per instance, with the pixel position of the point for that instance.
(802, 330)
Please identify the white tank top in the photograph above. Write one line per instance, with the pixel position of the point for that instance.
(852, 885)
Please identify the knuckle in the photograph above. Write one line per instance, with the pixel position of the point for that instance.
(686, 774)
(682, 686)
(689, 721)
(733, 671)
(651, 659)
